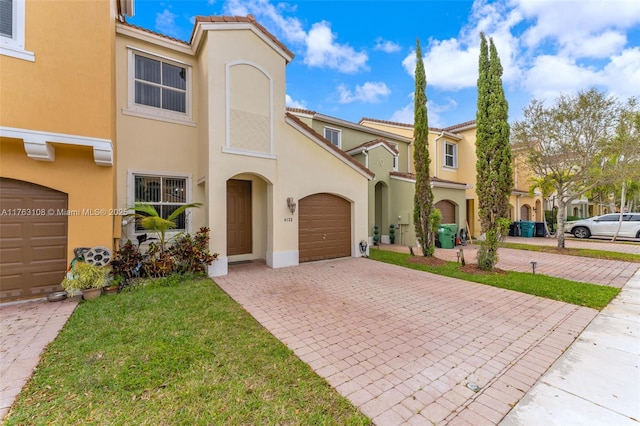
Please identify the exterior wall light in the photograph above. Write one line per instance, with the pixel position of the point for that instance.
(291, 204)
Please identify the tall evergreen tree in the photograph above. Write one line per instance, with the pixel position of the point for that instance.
(493, 152)
(423, 199)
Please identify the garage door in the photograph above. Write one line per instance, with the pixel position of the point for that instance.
(33, 242)
(448, 210)
(325, 227)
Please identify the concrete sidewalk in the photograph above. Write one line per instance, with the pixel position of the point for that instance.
(597, 380)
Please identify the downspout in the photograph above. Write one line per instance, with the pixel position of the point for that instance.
(435, 155)
(366, 158)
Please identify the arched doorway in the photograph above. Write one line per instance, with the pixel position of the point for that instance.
(525, 212)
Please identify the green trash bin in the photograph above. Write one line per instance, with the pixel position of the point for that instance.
(527, 228)
(447, 235)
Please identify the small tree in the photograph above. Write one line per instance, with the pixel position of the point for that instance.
(565, 142)
(624, 152)
(494, 181)
(151, 220)
(423, 199)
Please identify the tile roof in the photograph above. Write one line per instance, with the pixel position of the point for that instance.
(125, 23)
(410, 126)
(375, 142)
(243, 19)
(433, 178)
(460, 125)
(217, 19)
(301, 111)
(331, 146)
(393, 123)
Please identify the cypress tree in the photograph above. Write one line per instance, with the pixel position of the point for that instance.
(423, 198)
(493, 152)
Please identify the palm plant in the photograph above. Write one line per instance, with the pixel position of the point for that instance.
(150, 219)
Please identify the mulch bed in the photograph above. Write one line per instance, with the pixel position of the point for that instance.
(427, 260)
(469, 268)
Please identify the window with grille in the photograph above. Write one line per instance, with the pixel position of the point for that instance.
(333, 135)
(450, 155)
(160, 84)
(164, 193)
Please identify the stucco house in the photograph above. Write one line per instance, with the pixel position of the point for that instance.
(57, 139)
(453, 171)
(205, 121)
(389, 154)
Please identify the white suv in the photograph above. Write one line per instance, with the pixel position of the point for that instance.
(606, 226)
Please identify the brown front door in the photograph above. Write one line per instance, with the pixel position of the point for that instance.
(33, 239)
(325, 227)
(239, 236)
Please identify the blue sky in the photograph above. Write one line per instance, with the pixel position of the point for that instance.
(356, 59)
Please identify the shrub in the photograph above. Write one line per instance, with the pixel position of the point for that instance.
(126, 262)
(187, 255)
(191, 253)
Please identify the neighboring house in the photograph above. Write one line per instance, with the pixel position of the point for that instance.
(386, 149)
(453, 171)
(57, 138)
(205, 121)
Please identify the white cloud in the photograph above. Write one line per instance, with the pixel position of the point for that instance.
(546, 47)
(448, 65)
(324, 52)
(567, 22)
(622, 73)
(551, 75)
(403, 115)
(369, 92)
(165, 23)
(295, 104)
(321, 48)
(289, 29)
(386, 45)
(594, 46)
(406, 114)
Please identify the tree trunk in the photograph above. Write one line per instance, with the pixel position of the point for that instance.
(562, 213)
(622, 201)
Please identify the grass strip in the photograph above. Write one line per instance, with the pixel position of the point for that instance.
(582, 252)
(178, 353)
(577, 293)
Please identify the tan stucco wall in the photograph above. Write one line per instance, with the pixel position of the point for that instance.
(68, 89)
(212, 150)
(155, 146)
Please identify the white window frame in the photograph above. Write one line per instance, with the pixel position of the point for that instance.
(146, 111)
(131, 197)
(338, 131)
(454, 157)
(14, 46)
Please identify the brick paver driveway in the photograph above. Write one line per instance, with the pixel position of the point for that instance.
(403, 345)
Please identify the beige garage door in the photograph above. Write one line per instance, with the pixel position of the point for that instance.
(325, 227)
(33, 242)
(448, 210)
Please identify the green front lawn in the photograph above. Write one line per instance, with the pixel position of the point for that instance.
(174, 352)
(582, 252)
(583, 294)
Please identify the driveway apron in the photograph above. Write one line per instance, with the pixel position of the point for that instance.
(409, 347)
